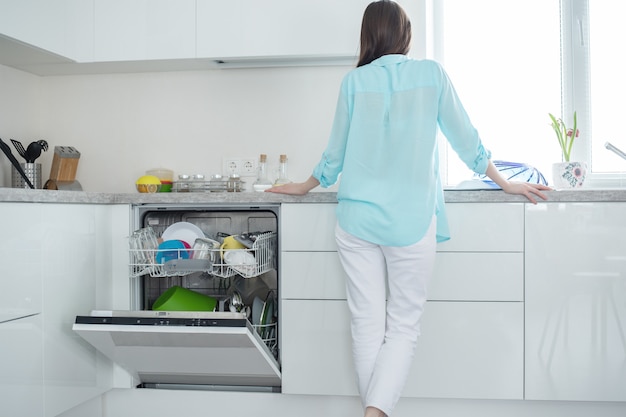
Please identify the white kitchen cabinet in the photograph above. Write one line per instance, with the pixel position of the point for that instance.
(140, 30)
(244, 28)
(472, 332)
(63, 27)
(21, 367)
(58, 262)
(576, 301)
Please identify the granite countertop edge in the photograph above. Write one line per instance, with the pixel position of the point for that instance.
(16, 195)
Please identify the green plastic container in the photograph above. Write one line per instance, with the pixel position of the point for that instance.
(181, 299)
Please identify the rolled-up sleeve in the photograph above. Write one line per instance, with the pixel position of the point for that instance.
(458, 129)
(331, 164)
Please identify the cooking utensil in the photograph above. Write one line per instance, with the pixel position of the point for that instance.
(236, 302)
(7, 151)
(34, 150)
(20, 148)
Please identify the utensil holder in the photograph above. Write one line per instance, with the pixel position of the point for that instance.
(32, 171)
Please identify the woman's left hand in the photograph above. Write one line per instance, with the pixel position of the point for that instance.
(526, 189)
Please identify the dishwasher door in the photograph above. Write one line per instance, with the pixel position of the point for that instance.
(168, 349)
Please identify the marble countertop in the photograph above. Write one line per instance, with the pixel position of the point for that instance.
(451, 196)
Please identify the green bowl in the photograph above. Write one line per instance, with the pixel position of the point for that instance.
(181, 299)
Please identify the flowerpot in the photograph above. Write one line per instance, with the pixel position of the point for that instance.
(568, 174)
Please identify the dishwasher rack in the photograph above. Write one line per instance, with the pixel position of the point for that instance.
(186, 261)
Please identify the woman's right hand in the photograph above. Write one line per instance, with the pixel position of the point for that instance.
(295, 188)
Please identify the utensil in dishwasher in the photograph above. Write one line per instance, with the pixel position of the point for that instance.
(7, 151)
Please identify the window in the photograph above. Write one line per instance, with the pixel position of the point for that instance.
(607, 85)
(512, 63)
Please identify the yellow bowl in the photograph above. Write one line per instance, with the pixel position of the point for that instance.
(230, 243)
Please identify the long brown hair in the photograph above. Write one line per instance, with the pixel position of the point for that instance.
(386, 29)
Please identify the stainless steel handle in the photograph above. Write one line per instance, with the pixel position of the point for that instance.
(615, 150)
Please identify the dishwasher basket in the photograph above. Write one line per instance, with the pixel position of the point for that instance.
(257, 260)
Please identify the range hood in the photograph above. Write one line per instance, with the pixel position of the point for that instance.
(165, 349)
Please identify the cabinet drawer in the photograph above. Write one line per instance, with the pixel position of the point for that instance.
(485, 227)
(477, 276)
(476, 227)
(467, 350)
(312, 275)
(316, 348)
(308, 227)
(457, 276)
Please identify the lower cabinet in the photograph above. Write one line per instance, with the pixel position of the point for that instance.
(58, 260)
(21, 367)
(576, 301)
(472, 329)
(466, 350)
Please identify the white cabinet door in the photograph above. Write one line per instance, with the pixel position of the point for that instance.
(64, 27)
(245, 28)
(21, 339)
(316, 348)
(308, 227)
(467, 350)
(312, 275)
(79, 240)
(485, 227)
(135, 30)
(576, 301)
(21, 367)
(58, 262)
(478, 276)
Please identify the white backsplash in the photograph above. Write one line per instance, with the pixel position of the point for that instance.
(125, 124)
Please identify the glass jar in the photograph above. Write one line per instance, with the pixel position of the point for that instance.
(262, 183)
(283, 178)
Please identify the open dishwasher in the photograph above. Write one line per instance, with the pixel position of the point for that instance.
(233, 340)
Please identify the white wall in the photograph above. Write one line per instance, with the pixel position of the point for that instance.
(19, 113)
(125, 124)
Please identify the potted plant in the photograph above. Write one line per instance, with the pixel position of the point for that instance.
(567, 174)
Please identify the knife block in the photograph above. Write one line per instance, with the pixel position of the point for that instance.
(64, 164)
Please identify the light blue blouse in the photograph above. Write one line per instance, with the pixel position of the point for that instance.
(384, 144)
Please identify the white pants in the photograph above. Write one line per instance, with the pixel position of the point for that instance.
(385, 330)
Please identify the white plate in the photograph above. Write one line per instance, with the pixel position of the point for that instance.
(185, 231)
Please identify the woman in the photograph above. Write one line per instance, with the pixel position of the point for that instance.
(390, 211)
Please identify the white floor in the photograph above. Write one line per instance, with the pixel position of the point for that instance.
(165, 403)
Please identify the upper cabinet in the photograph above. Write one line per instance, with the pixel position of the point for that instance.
(140, 30)
(45, 37)
(273, 28)
(62, 27)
